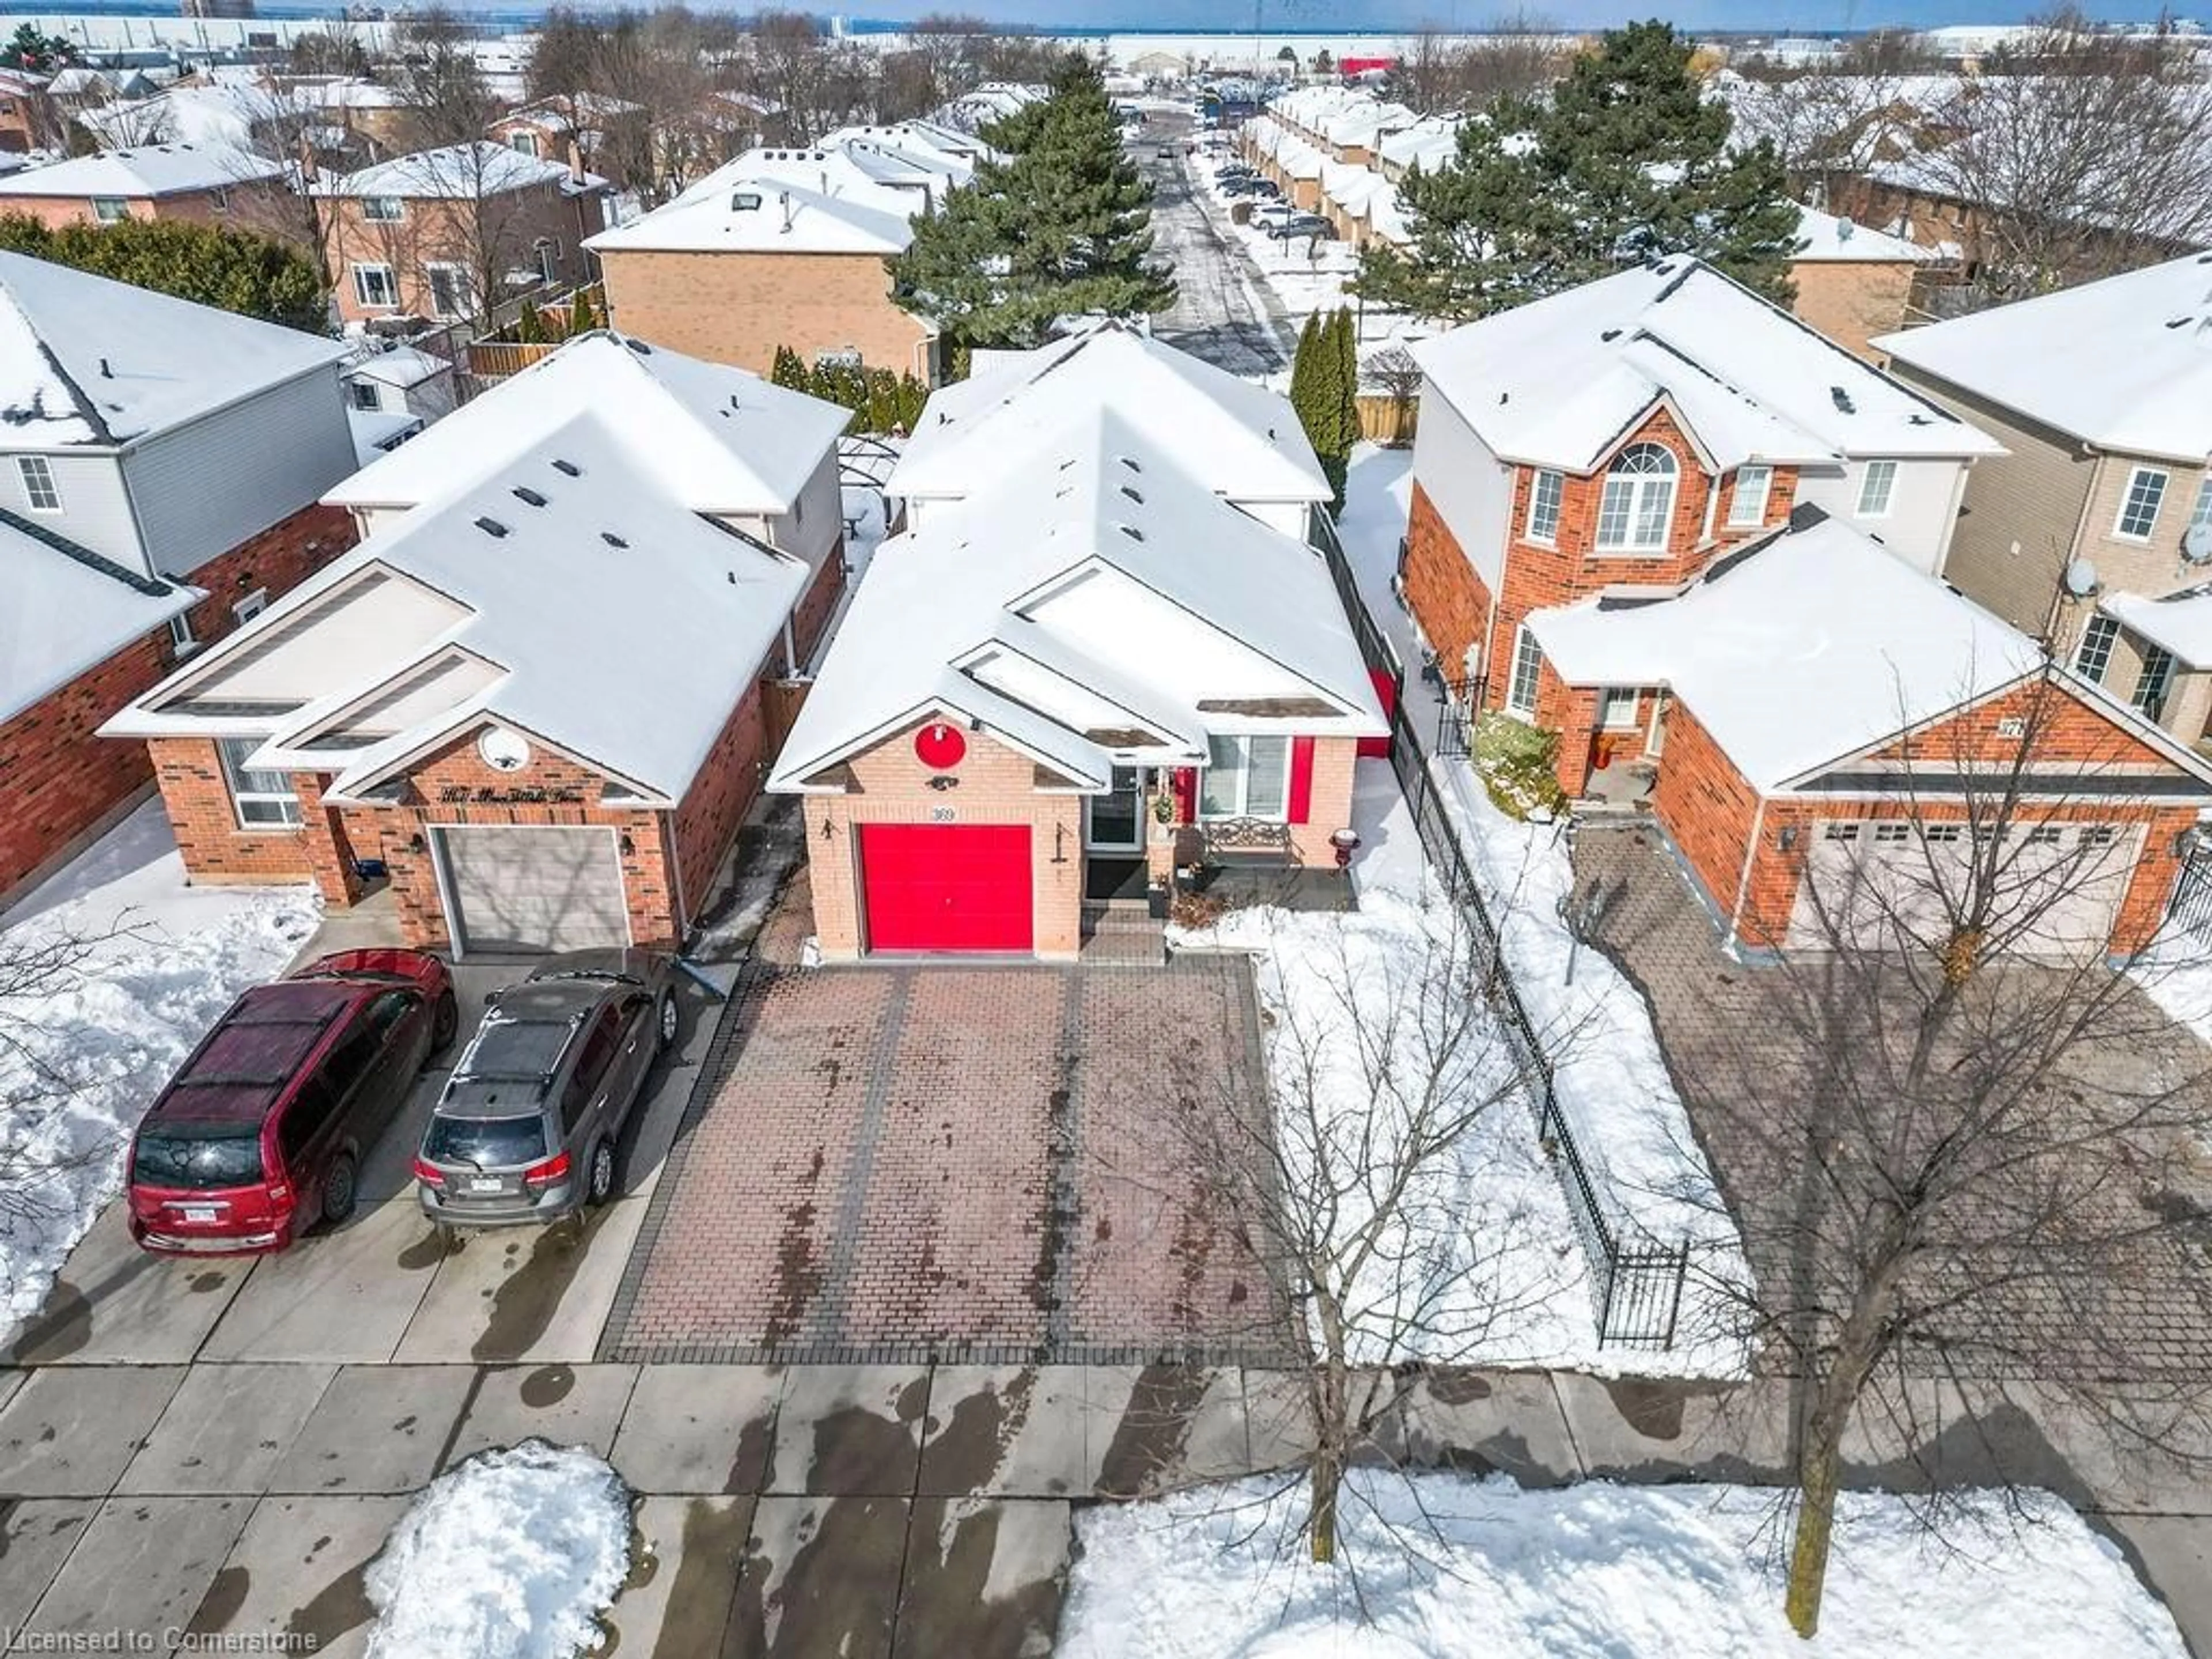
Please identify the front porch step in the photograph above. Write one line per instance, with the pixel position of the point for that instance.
(1116, 934)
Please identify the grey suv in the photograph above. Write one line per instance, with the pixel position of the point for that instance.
(526, 1128)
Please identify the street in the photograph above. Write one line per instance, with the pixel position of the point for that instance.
(1223, 312)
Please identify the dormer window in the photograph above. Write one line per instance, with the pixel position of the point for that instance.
(1638, 502)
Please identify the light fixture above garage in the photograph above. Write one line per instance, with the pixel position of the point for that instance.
(503, 751)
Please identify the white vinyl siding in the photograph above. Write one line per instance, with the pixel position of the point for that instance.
(2139, 506)
(1245, 778)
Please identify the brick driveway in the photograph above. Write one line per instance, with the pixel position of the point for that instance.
(977, 1163)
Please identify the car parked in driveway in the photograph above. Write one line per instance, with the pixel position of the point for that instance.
(527, 1128)
(1285, 228)
(262, 1132)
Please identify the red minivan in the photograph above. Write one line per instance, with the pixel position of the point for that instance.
(262, 1132)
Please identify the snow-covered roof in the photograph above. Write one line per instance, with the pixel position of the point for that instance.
(457, 171)
(2179, 622)
(828, 173)
(2124, 363)
(1561, 382)
(1102, 604)
(86, 361)
(63, 611)
(717, 439)
(1243, 440)
(1428, 142)
(1824, 238)
(602, 566)
(763, 215)
(1807, 648)
(552, 115)
(400, 366)
(376, 432)
(151, 170)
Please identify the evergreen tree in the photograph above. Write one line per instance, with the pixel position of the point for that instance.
(788, 371)
(581, 319)
(1058, 228)
(527, 329)
(1627, 161)
(231, 270)
(1346, 336)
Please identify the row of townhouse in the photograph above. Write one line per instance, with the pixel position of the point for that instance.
(1715, 554)
(1343, 153)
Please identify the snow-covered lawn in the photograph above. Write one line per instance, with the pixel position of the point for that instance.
(1610, 1078)
(513, 1555)
(2175, 973)
(85, 1048)
(1597, 1569)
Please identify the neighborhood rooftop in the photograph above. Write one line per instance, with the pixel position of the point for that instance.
(717, 439)
(63, 609)
(1559, 382)
(2124, 363)
(461, 171)
(768, 215)
(86, 361)
(989, 425)
(1174, 609)
(152, 170)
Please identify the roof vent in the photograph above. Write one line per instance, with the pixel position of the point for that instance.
(611, 539)
(105, 373)
(1610, 335)
(1842, 399)
(1131, 493)
(1133, 467)
(745, 200)
(491, 526)
(637, 345)
(568, 467)
(525, 494)
(1131, 531)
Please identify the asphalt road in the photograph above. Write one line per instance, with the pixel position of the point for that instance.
(1224, 313)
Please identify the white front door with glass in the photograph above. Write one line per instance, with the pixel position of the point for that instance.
(1115, 822)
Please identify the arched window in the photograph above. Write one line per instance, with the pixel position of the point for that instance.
(1638, 500)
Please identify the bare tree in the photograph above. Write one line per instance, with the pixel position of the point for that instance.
(439, 81)
(328, 51)
(1391, 1081)
(1960, 1146)
(1393, 372)
(1516, 54)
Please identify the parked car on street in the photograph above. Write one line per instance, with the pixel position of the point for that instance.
(1272, 213)
(262, 1133)
(1288, 228)
(527, 1127)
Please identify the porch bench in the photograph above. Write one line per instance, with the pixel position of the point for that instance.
(1235, 840)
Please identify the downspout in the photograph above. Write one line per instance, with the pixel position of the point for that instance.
(791, 667)
(1743, 880)
(672, 853)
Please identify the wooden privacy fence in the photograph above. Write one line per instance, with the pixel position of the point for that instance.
(1387, 420)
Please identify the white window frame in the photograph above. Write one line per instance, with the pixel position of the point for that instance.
(2200, 516)
(365, 395)
(383, 209)
(363, 269)
(1613, 698)
(548, 252)
(41, 493)
(1244, 808)
(252, 605)
(1646, 498)
(432, 269)
(1872, 504)
(181, 634)
(1524, 674)
(2153, 481)
(2154, 683)
(523, 142)
(1738, 518)
(109, 210)
(248, 790)
(1543, 521)
(2099, 636)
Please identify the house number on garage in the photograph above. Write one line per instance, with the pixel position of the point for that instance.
(942, 814)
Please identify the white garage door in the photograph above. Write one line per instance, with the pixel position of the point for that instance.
(2058, 887)
(509, 887)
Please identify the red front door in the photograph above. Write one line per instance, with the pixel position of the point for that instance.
(946, 887)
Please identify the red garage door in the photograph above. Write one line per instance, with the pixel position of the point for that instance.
(946, 887)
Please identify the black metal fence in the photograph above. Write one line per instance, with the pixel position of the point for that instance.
(1639, 1279)
(2191, 909)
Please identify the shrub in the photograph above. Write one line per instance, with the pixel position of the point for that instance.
(1514, 760)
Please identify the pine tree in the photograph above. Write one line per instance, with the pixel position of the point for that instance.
(1627, 161)
(788, 371)
(1346, 334)
(581, 317)
(528, 331)
(1059, 228)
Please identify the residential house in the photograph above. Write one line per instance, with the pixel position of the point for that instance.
(590, 131)
(1093, 671)
(385, 377)
(1853, 284)
(453, 234)
(160, 463)
(2094, 530)
(421, 714)
(742, 264)
(214, 184)
(1671, 524)
(29, 118)
(1244, 441)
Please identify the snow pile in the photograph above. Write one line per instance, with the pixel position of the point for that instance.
(89, 1032)
(1609, 1077)
(511, 1555)
(1501, 1573)
(2175, 973)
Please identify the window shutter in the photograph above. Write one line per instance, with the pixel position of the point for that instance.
(1186, 794)
(1301, 753)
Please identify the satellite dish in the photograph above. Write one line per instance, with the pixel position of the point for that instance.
(2081, 578)
(2196, 543)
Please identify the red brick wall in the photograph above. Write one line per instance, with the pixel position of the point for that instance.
(261, 206)
(2067, 730)
(59, 781)
(1448, 598)
(707, 818)
(200, 812)
(1705, 805)
(816, 606)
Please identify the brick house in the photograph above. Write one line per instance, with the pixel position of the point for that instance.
(1245, 439)
(2095, 527)
(207, 183)
(159, 464)
(29, 118)
(1853, 284)
(418, 715)
(740, 264)
(1092, 672)
(586, 129)
(452, 233)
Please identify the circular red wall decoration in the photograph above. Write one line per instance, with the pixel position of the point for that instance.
(939, 746)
